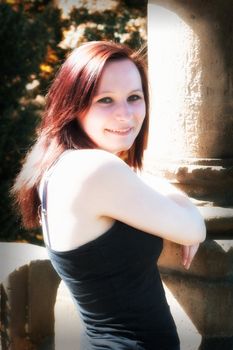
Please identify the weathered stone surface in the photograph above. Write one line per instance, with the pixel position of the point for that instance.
(68, 324)
(216, 343)
(42, 287)
(205, 291)
(14, 304)
(212, 261)
(191, 144)
(219, 221)
(200, 179)
(28, 293)
(205, 302)
(15, 255)
(190, 68)
(190, 338)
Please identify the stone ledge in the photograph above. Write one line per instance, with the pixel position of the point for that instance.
(213, 261)
(150, 159)
(205, 179)
(192, 173)
(14, 255)
(219, 221)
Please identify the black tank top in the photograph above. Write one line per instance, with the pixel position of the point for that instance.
(115, 282)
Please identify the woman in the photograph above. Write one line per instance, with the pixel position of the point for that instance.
(103, 225)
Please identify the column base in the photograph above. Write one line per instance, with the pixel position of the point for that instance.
(204, 179)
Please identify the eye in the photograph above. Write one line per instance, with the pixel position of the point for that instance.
(133, 98)
(105, 100)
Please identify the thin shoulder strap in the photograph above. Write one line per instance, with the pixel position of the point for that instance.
(44, 197)
(44, 210)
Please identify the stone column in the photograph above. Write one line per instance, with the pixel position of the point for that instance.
(190, 52)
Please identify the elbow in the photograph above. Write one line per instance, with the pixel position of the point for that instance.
(194, 224)
(199, 234)
(199, 226)
(193, 233)
(202, 231)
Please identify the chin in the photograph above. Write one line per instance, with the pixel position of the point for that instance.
(122, 150)
(127, 147)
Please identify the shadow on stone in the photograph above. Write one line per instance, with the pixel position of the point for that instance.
(216, 344)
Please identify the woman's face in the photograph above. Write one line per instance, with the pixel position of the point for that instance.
(117, 111)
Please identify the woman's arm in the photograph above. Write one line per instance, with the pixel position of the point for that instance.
(114, 190)
(162, 185)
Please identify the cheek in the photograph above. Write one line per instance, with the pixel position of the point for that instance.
(86, 124)
(93, 123)
(141, 112)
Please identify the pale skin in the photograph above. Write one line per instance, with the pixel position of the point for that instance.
(96, 187)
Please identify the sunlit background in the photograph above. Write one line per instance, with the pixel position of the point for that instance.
(172, 45)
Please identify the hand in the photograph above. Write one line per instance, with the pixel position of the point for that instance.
(188, 253)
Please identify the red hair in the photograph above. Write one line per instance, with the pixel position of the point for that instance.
(70, 95)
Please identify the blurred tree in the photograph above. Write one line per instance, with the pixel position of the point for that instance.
(25, 46)
(125, 24)
(35, 38)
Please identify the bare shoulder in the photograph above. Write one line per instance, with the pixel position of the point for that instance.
(90, 161)
(95, 156)
(87, 166)
(89, 180)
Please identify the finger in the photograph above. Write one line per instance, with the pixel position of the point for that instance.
(192, 252)
(185, 254)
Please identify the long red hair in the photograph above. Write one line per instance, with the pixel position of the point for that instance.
(70, 95)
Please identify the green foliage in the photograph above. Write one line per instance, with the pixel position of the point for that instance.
(34, 41)
(121, 25)
(24, 46)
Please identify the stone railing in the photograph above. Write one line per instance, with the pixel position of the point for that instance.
(28, 293)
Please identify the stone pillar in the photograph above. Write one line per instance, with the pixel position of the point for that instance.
(191, 143)
(28, 288)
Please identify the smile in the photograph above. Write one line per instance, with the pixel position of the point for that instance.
(121, 132)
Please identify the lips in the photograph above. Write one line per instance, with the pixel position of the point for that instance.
(121, 132)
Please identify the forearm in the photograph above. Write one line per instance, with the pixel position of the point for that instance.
(163, 187)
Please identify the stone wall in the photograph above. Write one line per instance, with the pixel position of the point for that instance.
(190, 52)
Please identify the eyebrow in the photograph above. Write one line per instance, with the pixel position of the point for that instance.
(112, 92)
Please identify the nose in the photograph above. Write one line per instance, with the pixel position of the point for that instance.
(123, 111)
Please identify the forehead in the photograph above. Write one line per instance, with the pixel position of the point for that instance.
(119, 73)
